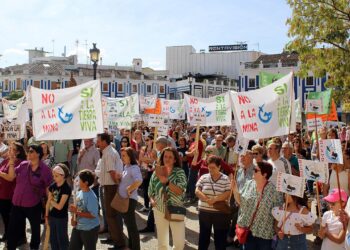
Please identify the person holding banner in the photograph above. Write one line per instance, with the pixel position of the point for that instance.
(256, 200)
(333, 229)
(168, 180)
(213, 189)
(293, 223)
(33, 178)
(7, 185)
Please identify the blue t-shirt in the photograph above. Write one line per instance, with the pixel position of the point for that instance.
(87, 202)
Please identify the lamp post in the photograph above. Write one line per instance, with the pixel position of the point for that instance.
(94, 57)
(190, 80)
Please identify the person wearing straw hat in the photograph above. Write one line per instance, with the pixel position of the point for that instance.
(333, 229)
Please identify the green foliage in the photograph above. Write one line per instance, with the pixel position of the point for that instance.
(319, 30)
(14, 95)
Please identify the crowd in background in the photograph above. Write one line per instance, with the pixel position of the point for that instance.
(45, 181)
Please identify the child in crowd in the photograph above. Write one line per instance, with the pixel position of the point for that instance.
(332, 230)
(56, 214)
(86, 224)
(298, 223)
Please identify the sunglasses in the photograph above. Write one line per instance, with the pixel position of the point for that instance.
(256, 170)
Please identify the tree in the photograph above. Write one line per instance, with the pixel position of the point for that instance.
(319, 30)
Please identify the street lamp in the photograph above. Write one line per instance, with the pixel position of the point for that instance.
(190, 80)
(94, 56)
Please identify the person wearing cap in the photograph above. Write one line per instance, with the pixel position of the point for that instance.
(193, 166)
(287, 151)
(333, 230)
(56, 213)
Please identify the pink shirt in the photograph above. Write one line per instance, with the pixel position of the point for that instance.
(31, 186)
(7, 187)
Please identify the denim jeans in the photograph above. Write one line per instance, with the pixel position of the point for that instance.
(192, 180)
(59, 233)
(256, 243)
(292, 242)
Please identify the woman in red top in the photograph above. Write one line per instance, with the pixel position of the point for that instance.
(15, 156)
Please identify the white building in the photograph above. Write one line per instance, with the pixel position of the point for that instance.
(180, 60)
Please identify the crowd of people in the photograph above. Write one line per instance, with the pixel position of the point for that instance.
(98, 182)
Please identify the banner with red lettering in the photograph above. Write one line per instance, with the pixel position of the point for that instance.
(173, 109)
(70, 113)
(265, 112)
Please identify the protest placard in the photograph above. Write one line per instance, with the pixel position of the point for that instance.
(290, 184)
(331, 151)
(155, 120)
(12, 132)
(314, 106)
(12, 107)
(241, 145)
(70, 113)
(312, 123)
(257, 116)
(314, 171)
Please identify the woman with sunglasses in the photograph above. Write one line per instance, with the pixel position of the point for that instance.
(33, 178)
(256, 200)
(124, 142)
(7, 184)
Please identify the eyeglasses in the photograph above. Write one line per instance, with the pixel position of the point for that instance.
(256, 170)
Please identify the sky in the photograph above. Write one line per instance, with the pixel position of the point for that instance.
(127, 29)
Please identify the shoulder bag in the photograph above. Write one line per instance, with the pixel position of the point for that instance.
(173, 213)
(243, 232)
(222, 206)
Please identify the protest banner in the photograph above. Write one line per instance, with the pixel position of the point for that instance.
(163, 130)
(265, 112)
(155, 120)
(331, 116)
(120, 112)
(312, 124)
(213, 111)
(313, 170)
(331, 151)
(290, 184)
(67, 114)
(325, 97)
(12, 107)
(176, 109)
(241, 145)
(157, 110)
(147, 102)
(12, 132)
(267, 78)
(314, 106)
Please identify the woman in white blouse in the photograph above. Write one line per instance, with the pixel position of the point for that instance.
(298, 223)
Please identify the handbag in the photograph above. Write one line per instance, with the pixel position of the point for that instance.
(243, 232)
(119, 203)
(173, 213)
(222, 206)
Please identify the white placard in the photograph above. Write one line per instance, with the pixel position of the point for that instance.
(331, 151)
(314, 171)
(311, 124)
(12, 132)
(290, 184)
(314, 106)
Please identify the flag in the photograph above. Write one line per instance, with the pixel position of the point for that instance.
(325, 97)
(268, 78)
(332, 116)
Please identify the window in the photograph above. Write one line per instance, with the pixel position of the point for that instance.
(105, 87)
(149, 89)
(18, 84)
(251, 83)
(134, 88)
(120, 87)
(6, 87)
(310, 81)
(161, 89)
(37, 84)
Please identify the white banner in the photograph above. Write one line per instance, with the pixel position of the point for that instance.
(163, 130)
(12, 132)
(314, 171)
(298, 111)
(70, 113)
(311, 124)
(241, 145)
(212, 111)
(11, 108)
(265, 112)
(290, 184)
(120, 112)
(155, 120)
(148, 102)
(331, 151)
(176, 110)
(314, 106)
